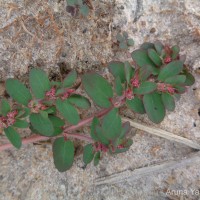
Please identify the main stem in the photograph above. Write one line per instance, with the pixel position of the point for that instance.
(37, 138)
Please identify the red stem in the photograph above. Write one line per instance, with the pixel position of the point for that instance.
(36, 138)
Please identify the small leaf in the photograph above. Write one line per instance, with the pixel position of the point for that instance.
(68, 111)
(23, 113)
(145, 72)
(189, 79)
(175, 51)
(117, 69)
(154, 107)
(97, 158)
(123, 45)
(159, 47)
(142, 59)
(63, 154)
(57, 124)
(136, 105)
(79, 101)
(21, 124)
(147, 45)
(119, 37)
(95, 122)
(71, 2)
(125, 129)
(168, 101)
(5, 107)
(88, 154)
(129, 71)
(84, 10)
(39, 83)
(51, 110)
(112, 124)
(118, 86)
(154, 57)
(98, 89)
(70, 79)
(178, 79)
(42, 124)
(130, 42)
(172, 69)
(13, 137)
(101, 136)
(56, 83)
(180, 89)
(145, 88)
(18, 91)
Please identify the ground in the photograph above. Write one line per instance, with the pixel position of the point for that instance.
(43, 34)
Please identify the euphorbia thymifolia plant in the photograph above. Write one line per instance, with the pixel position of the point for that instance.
(150, 84)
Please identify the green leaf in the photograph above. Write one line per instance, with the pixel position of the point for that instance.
(119, 37)
(56, 83)
(18, 91)
(125, 129)
(136, 105)
(175, 51)
(159, 47)
(51, 110)
(123, 45)
(21, 124)
(145, 88)
(23, 113)
(147, 45)
(68, 111)
(13, 137)
(180, 89)
(95, 122)
(168, 101)
(172, 69)
(84, 10)
(154, 107)
(178, 79)
(42, 124)
(79, 101)
(112, 124)
(129, 71)
(118, 86)
(101, 136)
(57, 124)
(5, 107)
(145, 72)
(63, 154)
(71, 2)
(98, 89)
(154, 57)
(70, 79)
(117, 69)
(39, 83)
(130, 42)
(189, 79)
(88, 154)
(142, 59)
(97, 158)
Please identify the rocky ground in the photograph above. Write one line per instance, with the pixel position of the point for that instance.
(42, 33)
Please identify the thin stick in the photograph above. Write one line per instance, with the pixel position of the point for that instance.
(134, 175)
(163, 134)
(37, 138)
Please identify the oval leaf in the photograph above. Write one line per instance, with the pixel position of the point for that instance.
(88, 154)
(154, 107)
(70, 79)
(154, 57)
(42, 124)
(18, 91)
(21, 124)
(178, 79)
(13, 137)
(136, 105)
(118, 86)
(172, 69)
(5, 107)
(79, 101)
(98, 89)
(68, 111)
(63, 154)
(39, 83)
(97, 158)
(57, 124)
(145, 87)
(95, 122)
(168, 101)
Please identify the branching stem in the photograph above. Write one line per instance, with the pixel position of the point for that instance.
(37, 138)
